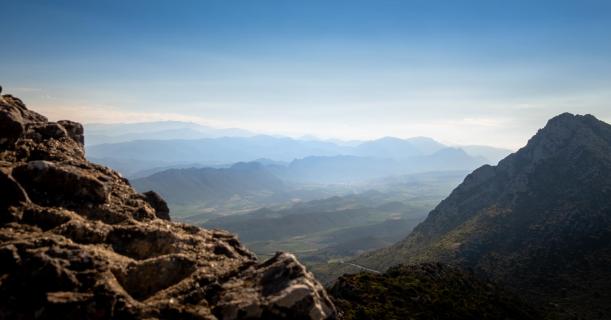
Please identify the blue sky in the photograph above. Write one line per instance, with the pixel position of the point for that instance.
(466, 72)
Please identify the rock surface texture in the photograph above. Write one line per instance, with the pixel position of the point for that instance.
(77, 242)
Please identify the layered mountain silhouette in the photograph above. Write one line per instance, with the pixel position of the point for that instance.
(539, 222)
(100, 133)
(353, 169)
(152, 151)
(214, 182)
(220, 150)
(396, 148)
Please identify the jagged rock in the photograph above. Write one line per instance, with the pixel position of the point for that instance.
(75, 130)
(77, 242)
(279, 288)
(156, 201)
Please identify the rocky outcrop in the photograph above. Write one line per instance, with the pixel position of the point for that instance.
(76, 242)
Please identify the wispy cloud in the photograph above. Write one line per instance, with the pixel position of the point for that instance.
(110, 114)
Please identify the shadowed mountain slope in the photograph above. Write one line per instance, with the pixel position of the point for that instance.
(539, 222)
(423, 292)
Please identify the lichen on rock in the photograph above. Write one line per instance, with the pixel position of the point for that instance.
(77, 241)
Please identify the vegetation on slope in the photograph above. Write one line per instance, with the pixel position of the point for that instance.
(426, 291)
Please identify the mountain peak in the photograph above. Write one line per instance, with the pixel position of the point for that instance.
(567, 125)
(572, 118)
(568, 122)
(566, 134)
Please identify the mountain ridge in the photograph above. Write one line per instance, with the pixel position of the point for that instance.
(539, 221)
(151, 153)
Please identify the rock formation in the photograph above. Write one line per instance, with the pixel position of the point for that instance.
(77, 242)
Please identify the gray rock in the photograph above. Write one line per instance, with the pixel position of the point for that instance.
(75, 131)
(282, 288)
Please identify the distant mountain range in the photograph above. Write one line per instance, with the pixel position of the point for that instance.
(251, 185)
(243, 185)
(139, 150)
(224, 150)
(395, 148)
(353, 169)
(101, 133)
(538, 223)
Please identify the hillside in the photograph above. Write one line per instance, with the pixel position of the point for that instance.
(425, 291)
(340, 227)
(210, 185)
(198, 194)
(539, 222)
(325, 229)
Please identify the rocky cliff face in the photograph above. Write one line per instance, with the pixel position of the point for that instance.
(76, 242)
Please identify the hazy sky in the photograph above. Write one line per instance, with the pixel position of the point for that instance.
(468, 72)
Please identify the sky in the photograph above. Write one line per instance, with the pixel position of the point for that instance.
(462, 72)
